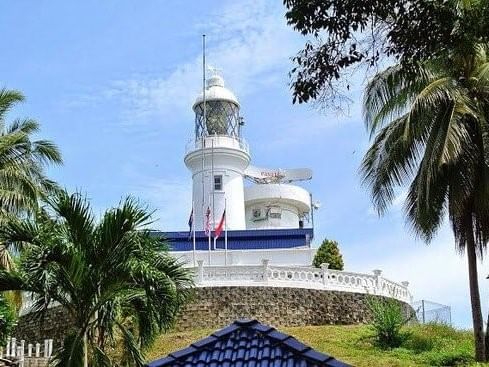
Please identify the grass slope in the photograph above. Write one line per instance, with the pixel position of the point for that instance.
(424, 345)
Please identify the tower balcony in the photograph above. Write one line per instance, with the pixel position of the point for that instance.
(217, 141)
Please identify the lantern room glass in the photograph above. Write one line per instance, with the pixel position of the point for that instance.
(222, 119)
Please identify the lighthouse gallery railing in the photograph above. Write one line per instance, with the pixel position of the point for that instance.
(225, 141)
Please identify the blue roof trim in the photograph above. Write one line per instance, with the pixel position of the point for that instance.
(247, 343)
(241, 240)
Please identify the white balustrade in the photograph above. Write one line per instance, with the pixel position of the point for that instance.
(300, 277)
(15, 350)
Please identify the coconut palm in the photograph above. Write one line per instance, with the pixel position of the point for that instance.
(430, 129)
(22, 164)
(116, 280)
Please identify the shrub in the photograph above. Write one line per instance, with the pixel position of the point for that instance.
(387, 321)
(8, 319)
(329, 252)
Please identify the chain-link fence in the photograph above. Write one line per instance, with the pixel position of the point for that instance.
(427, 311)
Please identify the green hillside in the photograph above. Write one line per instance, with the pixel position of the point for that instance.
(427, 345)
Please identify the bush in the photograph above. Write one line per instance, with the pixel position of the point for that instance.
(8, 320)
(438, 344)
(387, 321)
(329, 252)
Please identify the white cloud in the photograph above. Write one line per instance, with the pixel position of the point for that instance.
(399, 200)
(248, 40)
(171, 198)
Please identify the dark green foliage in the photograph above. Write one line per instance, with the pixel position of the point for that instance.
(114, 278)
(431, 136)
(428, 114)
(387, 321)
(351, 33)
(8, 319)
(329, 252)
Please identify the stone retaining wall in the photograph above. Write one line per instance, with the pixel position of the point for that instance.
(215, 307)
(54, 325)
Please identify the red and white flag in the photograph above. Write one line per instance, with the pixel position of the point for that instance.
(220, 226)
(207, 227)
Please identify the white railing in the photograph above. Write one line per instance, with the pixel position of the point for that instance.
(217, 141)
(27, 354)
(300, 277)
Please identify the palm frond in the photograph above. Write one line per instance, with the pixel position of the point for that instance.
(71, 352)
(75, 211)
(8, 99)
(132, 353)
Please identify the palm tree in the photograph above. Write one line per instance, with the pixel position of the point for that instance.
(22, 164)
(430, 131)
(115, 279)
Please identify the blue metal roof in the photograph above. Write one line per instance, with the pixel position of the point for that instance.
(241, 240)
(248, 343)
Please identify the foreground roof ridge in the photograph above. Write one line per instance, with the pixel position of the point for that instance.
(237, 344)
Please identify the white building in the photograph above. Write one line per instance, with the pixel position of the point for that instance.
(266, 214)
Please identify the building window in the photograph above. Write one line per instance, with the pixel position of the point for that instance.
(218, 183)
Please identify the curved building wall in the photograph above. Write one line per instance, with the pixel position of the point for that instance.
(225, 157)
(283, 216)
(275, 206)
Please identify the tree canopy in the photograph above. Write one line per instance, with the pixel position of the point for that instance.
(329, 253)
(22, 166)
(113, 277)
(431, 133)
(346, 34)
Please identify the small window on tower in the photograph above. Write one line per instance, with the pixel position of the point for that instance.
(218, 183)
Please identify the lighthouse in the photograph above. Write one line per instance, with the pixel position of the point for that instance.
(217, 157)
(265, 212)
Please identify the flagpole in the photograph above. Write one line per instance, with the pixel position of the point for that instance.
(213, 183)
(193, 230)
(225, 235)
(210, 231)
(204, 127)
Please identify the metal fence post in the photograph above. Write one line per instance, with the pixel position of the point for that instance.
(422, 312)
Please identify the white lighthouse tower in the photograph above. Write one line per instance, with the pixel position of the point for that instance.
(267, 214)
(218, 157)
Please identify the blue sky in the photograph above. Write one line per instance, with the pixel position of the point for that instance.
(112, 83)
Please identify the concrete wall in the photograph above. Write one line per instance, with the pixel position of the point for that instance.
(290, 200)
(299, 256)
